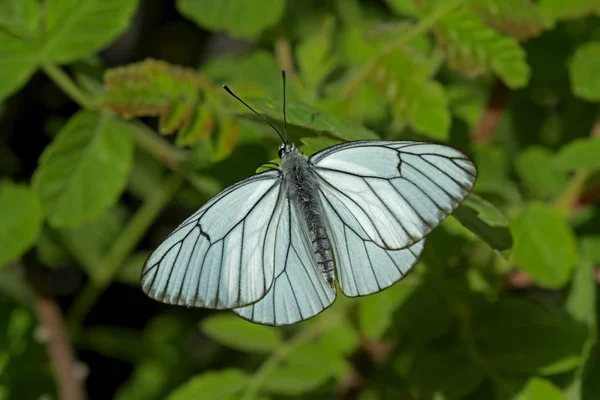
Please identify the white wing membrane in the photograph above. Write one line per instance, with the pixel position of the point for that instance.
(300, 290)
(222, 256)
(363, 267)
(393, 193)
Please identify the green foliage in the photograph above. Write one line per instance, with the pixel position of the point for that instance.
(112, 135)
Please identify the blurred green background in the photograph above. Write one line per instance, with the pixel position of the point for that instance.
(114, 128)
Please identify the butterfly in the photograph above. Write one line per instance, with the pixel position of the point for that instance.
(272, 246)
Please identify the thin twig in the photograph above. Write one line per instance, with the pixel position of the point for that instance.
(488, 122)
(63, 81)
(60, 352)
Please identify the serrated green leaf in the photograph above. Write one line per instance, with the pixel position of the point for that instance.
(538, 172)
(375, 312)
(580, 154)
(584, 71)
(197, 128)
(84, 170)
(218, 385)
(555, 10)
(518, 338)
(472, 48)
(232, 331)
(21, 216)
(544, 246)
(77, 28)
(518, 18)
(444, 369)
(237, 17)
(487, 222)
(20, 16)
(540, 389)
(306, 117)
(18, 61)
(175, 117)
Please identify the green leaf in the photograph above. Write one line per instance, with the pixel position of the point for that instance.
(537, 170)
(555, 10)
(444, 368)
(237, 17)
(21, 216)
(314, 55)
(540, 389)
(584, 71)
(20, 17)
(232, 331)
(309, 118)
(311, 145)
(472, 48)
(131, 270)
(221, 385)
(403, 7)
(84, 170)
(581, 302)
(518, 338)
(77, 28)
(376, 312)
(545, 246)
(518, 18)
(487, 222)
(298, 374)
(18, 61)
(580, 154)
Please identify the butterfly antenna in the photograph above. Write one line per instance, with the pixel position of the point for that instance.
(284, 115)
(251, 109)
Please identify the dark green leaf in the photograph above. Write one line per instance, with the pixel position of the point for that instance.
(220, 385)
(544, 246)
(230, 330)
(84, 170)
(77, 28)
(237, 17)
(21, 216)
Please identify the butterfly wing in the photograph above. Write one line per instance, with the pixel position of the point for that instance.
(299, 291)
(363, 267)
(393, 193)
(222, 256)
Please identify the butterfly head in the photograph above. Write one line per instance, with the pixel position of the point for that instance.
(286, 148)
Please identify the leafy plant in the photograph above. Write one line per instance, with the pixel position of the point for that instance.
(113, 133)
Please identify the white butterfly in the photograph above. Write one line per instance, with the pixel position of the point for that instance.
(271, 246)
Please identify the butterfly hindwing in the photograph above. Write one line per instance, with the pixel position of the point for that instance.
(393, 193)
(222, 256)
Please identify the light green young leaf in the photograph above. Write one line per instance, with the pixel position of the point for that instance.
(555, 10)
(580, 154)
(299, 373)
(518, 338)
(375, 312)
(21, 216)
(232, 331)
(219, 385)
(18, 61)
(76, 28)
(403, 7)
(540, 389)
(518, 18)
(473, 48)
(584, 71)
(537, 170)
(84, 170)
(306, 117)
(487, 222)
(314, 57)
(238, 17)
(20, 17)
(544, 246)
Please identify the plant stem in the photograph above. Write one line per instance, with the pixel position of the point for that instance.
(65, 82)
(423, 26)
(120, 250)
(282, 352)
